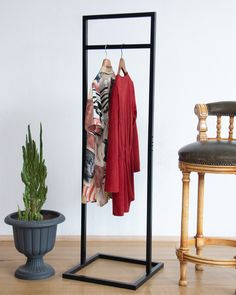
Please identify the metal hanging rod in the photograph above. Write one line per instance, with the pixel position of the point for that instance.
(118, 46)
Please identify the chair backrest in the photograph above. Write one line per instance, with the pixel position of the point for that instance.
(218, 109)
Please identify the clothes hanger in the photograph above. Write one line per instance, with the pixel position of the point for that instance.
(106, 64)
(121, 66)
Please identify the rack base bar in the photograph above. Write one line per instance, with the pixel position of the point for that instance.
(71, 273)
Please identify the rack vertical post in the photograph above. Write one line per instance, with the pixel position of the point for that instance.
(151, 267)
(85, 90)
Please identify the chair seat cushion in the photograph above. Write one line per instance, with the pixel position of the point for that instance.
(209, 153)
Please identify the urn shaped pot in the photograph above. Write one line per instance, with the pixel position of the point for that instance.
(34, 239)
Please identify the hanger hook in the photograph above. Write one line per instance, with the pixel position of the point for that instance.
(106, 50)
(121, 50)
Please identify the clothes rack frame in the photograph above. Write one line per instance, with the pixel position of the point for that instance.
(151, 267)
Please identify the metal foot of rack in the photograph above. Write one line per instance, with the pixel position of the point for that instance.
(73, 272)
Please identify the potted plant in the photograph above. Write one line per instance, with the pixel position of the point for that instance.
(34, 229)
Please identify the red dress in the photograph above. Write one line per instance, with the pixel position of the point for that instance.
(123, 147)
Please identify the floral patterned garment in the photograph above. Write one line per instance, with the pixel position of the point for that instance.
(96, 125)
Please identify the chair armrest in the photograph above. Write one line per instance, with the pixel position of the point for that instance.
(202, 112)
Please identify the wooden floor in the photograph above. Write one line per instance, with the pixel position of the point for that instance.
(212, 280)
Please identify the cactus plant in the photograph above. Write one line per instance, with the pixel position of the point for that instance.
(34, 230)
(33, 175)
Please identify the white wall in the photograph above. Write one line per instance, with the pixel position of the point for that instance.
(40, 81)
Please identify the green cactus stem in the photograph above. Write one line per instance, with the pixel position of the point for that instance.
(33, 175)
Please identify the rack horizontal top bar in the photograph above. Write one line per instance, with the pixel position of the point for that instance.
(119, 15)
(118, 46)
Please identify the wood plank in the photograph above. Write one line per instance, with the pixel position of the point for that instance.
(212, 280)
(100, 238)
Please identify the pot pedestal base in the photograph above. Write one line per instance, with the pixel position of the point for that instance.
(34, 269)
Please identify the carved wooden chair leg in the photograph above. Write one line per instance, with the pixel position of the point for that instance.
(184, 229)
(199, 239)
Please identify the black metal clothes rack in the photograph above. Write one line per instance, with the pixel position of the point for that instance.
(151, 267)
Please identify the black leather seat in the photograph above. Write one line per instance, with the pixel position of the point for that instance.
(209, 153)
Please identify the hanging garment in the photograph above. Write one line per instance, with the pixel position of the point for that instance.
(123, 147)
(96, 125)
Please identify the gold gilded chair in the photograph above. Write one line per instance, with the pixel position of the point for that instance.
(206, 155)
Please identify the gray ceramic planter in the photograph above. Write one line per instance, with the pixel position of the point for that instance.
(34, 239)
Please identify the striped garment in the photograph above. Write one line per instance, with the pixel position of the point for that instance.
(96, 125)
